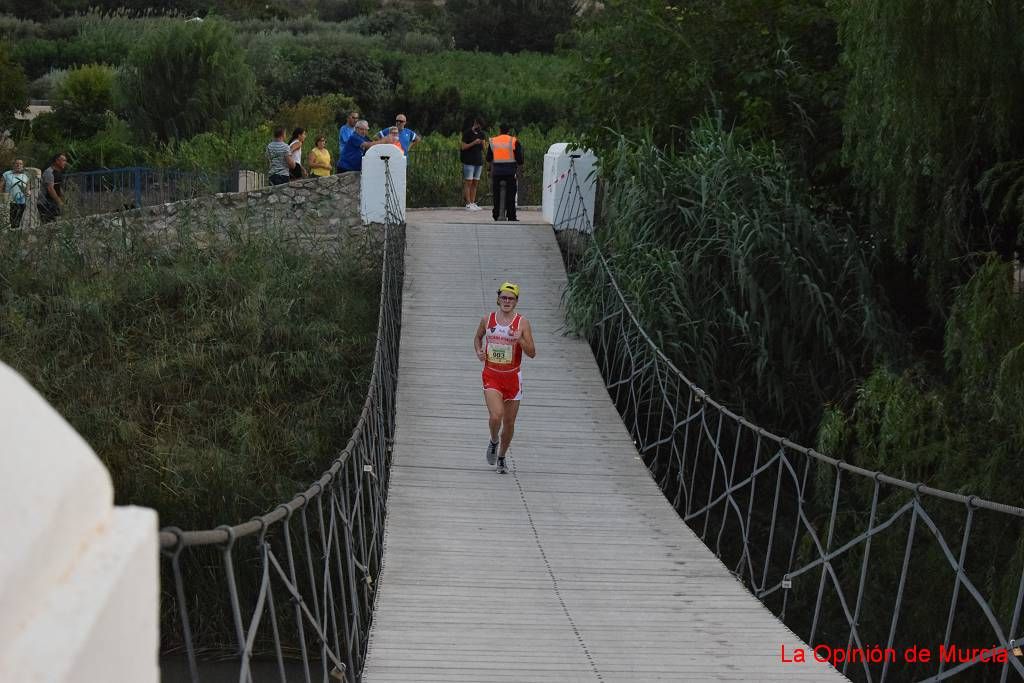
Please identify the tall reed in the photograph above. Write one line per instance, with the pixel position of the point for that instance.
(767, 305)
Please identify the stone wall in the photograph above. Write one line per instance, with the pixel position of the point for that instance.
(323, 206)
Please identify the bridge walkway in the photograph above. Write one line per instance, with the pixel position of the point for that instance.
(573, 567)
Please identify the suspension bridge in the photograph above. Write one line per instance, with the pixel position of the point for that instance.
(572, 567)
(644, 531)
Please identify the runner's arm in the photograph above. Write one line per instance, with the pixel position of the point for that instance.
(478, 339)
(526, 341)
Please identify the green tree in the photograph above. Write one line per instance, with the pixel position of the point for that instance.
(934, 101)
(83, 98)
(188, 78)
(13, 87)
(769, 66)
(509, 25)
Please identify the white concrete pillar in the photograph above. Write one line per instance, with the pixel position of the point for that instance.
(79, 582)
(372, 195)
(558, 184)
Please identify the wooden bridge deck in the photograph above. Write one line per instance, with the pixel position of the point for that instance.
(573, 567)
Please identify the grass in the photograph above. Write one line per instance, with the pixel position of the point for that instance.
(213, 381)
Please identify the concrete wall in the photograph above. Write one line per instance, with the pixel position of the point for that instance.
(79, 584)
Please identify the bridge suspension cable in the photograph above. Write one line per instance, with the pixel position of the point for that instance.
(796, 526)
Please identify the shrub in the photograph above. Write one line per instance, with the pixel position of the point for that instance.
(339, 10)
(14, 28)
(83, 98)
(111, 146)
(188, 78)
(44, 87)
(438, 90)
(37, 55)
(290, 67)
(317, 112)
(13, 87)
(525, 25)
(216, 152)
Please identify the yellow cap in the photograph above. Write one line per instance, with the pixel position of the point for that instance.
(509, 287)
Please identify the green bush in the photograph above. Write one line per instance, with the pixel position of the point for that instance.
(320, 112)
(37, 55)
(44, 87)
(510, 25)
(13, 87)
(14, 28)
(438, 91)
(83, 98)
(290, 67)
(215, 152)
(188, 78)
(111, 146)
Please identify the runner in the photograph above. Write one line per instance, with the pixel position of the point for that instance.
(500, 341)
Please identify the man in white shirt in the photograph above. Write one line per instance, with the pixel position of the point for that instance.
(15, 183)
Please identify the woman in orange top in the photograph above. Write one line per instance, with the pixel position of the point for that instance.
(501, 339)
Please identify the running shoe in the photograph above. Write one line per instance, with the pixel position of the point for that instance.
(469, 207)
(475, 207)
(492, 452)
(501, 466)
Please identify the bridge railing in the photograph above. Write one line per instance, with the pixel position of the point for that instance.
(296, 585)
(861, 564)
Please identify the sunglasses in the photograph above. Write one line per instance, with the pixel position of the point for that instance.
(506, 298)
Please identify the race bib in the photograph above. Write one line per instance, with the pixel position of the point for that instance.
(499, 354)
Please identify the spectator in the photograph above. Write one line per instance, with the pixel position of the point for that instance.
(297, 172)
(345, 132)
(406, 136)
(393, 134)
(505, 155)
(320, 159)
(352, 153)
(472, 157)
(51, 204)
(279, 154)
(15, 183)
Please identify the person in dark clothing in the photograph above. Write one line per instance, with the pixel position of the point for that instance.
(505, 155)
(51, 201)
(472, 157)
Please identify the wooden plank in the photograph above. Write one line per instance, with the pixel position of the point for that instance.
(573, 567)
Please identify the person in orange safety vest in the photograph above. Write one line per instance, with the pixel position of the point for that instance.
(505, 155)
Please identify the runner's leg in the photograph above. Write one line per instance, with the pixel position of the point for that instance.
(496, 411)
(508, 426)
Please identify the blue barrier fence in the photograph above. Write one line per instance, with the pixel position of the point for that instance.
(119, 189)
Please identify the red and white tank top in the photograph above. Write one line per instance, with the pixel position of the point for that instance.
(502, 353)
